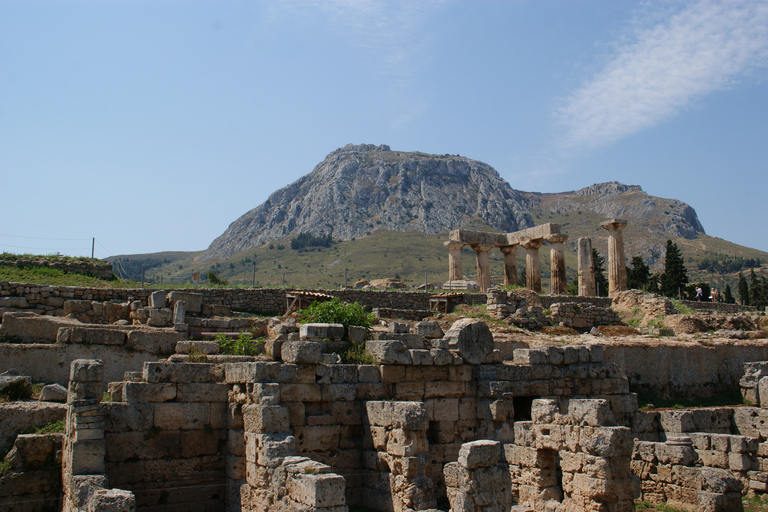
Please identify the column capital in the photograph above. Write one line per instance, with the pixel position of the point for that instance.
(453, 244)
(508, 249)
(481, 248)
(614, 224)
(534, 243)
(556, 238)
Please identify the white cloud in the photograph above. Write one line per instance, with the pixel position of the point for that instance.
(664, 67)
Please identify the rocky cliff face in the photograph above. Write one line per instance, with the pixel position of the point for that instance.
(358, 189)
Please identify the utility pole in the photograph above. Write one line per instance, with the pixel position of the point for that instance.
(93, 246)
(345, 278)
(425, 281)
(142, 275)
(253, 280)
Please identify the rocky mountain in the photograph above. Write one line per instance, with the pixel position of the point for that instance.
(359, 189)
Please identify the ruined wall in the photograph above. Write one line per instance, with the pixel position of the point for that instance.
(100, 270)
(683, 370)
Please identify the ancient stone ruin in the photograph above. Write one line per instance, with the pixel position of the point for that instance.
(449, 413)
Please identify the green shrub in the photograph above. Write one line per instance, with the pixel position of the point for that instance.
(337, 312)
(243, 345)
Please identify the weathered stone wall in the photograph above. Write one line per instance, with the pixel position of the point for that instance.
(582, 316)
(683, 370)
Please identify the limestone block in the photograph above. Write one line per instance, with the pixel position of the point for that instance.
(301, 392)
(483, 453)
(53, 393)
(159, 317)
(407, 443)
(88, 457)
(402, 415)
(200, 347)
(471, 339)
(530, 356)
(317, 438)
(157, 299)
(676, 421)
(179, 415)
(421, 357)
(320, 331)
(596, 353)
(356, 334)
(194, 300)
(201, 392)
(302, 352)
(440, 357)
(675, 454)
(134, 392)
(97, 336)
(77, 306)
(166, 371)
(429, 329)
(269, 450)
(608, 441)
(324, 490)
(33, 450)
(398, 327)
(86, 370)
(590, 412)
(257, 371)
(269, 419)
(388, 352)
(368, 373)
(13, 302)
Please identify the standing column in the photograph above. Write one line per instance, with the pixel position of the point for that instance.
(587, 287)
(558, 282)
(532, 265)
(510, 265)
(454, 260)
(617, 267)
(483, 266)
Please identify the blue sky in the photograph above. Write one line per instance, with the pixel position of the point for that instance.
(151, 125)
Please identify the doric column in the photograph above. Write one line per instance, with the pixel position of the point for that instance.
(617, 267)
(532, 266)
(587, 286)
(454, 260)
(510, 264)
(558, 282)
(483, 266)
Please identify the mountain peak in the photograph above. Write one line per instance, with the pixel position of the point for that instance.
(357, 189)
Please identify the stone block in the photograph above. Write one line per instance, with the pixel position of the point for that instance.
(302, 352)
(476, 454)
(194, 301)
(590, 412)
(137, 392)
(421, 357)
(530, 356)
(269, 450)
(317, 438)
(471, 339)
(402, 415)
(53, 393)
(165, 371)
(201, 392)
(179, 415)
(88, 457)
(313, 490)
(111, 500)
(257, 371)
(199, 347)
(319, 331)
(157, 299)
(429, 329)
(441, 357)
(388, 352)
(270, 419)
(86, 370)
(369, 373)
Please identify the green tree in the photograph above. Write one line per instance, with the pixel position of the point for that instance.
(600, 280)
(728, 297)
(653, 283)
(638, 275)
(573, 288)
(675, 275)
(754, 289)
(743, 290)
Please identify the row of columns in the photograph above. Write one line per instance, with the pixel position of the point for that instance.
(532, 267)
(617, 273)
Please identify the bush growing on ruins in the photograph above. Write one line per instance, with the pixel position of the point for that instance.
(215, 280)
(243, 345)
(335, 311)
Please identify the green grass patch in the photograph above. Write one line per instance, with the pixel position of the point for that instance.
(681, 308)
(5, 466)
(645, 505)
(355, 353)
(53, 427)
(337, 312)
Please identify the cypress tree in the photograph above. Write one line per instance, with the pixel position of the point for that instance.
(754, 289)
(639, 275)
(675, 276)
(600, 280)
(728, 297)
(743, 290)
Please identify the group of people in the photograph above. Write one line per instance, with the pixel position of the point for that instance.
(714, 295)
